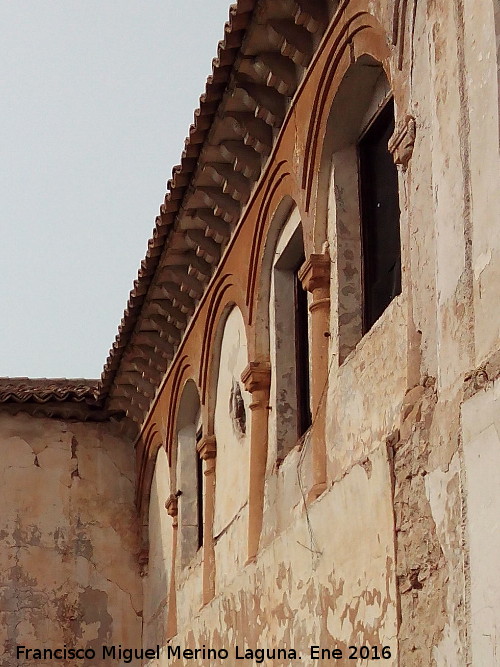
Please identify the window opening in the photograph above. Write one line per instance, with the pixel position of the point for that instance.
(302, 353)
(199, 489)
(379, 217)
(290, 340)
(187, 473)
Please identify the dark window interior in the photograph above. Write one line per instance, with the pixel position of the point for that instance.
(199, 491)
(380, 218)
(302, 353)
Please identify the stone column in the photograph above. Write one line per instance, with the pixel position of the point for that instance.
(315, 277)
(256, 379)
(172, 508)
(207, 450)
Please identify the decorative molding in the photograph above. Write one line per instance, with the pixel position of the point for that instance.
(315, 272)
(172, 507)
(402, 141)
(399, 29)
(483, 377)
(182, 373)
(257, 376)
(217, 302)
(273, 185)
(207, 447)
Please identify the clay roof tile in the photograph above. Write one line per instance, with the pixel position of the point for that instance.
(43, 390)
(234, 31)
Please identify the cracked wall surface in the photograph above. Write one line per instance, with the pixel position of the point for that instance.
(481, 430)
(376, 527)
(310, 586)
(401, 548)
(69, 558)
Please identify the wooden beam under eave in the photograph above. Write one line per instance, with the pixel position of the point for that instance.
(294, 41)
(215, 227)
(142, 384)
(254, 132)
(154, 341)
(265, 102)
(245, 159)
(223, 205)
(173, 292)
(207, 247)
(160, 324)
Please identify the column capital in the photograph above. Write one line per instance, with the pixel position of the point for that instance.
(315, 272)
(207, 447)
(257, 376)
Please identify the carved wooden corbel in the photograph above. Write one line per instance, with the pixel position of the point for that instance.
(402, 141)
(172, 507)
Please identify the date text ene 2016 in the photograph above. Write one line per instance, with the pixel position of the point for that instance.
(353, 653)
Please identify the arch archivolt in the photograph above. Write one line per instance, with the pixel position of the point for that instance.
(360, 34)
(152, 442)
(278, 186)
(291, 181)
(212, 359)
(278, 213)
(281, 196)
(199, 365)
(226, 294)
(184, 373)
(159, 434)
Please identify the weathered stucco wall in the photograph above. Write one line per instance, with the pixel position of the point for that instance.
(160, 555)
(311, 587)
(400, 548)
(69, 569)
(482, 55)
(232, 432)
(377, 527)
(481, 437)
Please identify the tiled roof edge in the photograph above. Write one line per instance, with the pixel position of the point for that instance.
(228, 48)
(44, 390)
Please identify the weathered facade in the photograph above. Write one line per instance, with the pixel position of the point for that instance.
(306, 374)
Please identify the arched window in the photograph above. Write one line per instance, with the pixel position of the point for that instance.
(189, 475)
(379, 204)
(160, 550)
(289, 339)
(363, 201)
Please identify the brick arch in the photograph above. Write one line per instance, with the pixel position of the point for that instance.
(146, 466)
(183, 470)
(281, 211)
(153, 439)
(334, 128)
(360, 34)
(226, 295)
(281, 185)
(184, 373)
(214, 358)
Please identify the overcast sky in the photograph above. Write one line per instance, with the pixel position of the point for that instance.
(96, 98)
